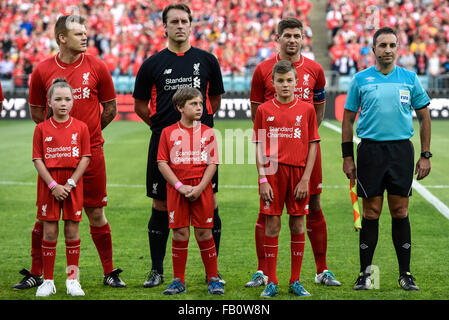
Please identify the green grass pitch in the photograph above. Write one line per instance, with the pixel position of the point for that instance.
(128, 212)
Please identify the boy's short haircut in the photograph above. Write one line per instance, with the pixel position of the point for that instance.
(289, 23)
(182, 95)
(283, 67)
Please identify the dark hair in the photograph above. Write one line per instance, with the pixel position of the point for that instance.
(182, 95)
(385, 30)
(62, 25)
(178, 6)
(58, 83)
(283, 67)
(287, 23)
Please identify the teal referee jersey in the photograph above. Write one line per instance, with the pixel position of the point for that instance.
(385, 103)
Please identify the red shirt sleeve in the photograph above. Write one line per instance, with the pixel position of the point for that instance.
(257, 86)
(313, 127)
(1, 94)
(257, 126)
(37, 92)
(106, 90)
(37, 143)
(85, 141)
(163, 152)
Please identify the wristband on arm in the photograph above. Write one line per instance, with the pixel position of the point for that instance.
(263, 180)
(347, 149)
(178, 185)
(52, 184)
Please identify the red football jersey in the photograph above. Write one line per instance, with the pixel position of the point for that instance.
(91, 84)
(1, 94)
(61, 144)
(285, 130)
(310, 87)
(188, 151)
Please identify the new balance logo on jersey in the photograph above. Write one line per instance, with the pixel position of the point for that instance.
(48, 139)
(196, 69)
(167, 71)
(209, 220)
(86, 78)
(75, 152)
(177, 143)
(270, 118)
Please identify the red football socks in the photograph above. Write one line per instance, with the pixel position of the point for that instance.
(72, 251)
(36, 249)
(179, 258)
(209, 257)
(297, 252)
(271, 245)
(260, 236)
(317, 232)
(48, 258)
(103, 242)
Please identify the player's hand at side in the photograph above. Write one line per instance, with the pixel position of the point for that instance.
(266, 192)
(349, 168)
(422, 168)
(194, 193)
(302, 189)
(59, 192)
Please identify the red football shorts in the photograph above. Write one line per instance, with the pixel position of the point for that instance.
(94, 179)
(316, 177)
(283, 183)
(182, 212)
(49, 209)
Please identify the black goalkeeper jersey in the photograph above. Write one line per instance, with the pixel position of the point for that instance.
(165, 72)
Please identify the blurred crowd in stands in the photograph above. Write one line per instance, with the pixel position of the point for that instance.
(422, 27)
(125, 32)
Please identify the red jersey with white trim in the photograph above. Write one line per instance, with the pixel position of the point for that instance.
(188, 151)
(310, 87)
(285, 130)
(61, 144)
(91, 83)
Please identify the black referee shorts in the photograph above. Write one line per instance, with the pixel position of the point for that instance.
(385, 165)
(156, 184)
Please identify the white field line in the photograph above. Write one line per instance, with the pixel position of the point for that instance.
(423, 191)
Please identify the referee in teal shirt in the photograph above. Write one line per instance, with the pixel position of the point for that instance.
(385, 95)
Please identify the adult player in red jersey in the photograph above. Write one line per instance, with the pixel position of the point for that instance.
(188, 158)
(92, 89)
(61, 154)
(1, 98)
(179, 65)
(310, 88)
(286, 135)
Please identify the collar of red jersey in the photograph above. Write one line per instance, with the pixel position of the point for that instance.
(296, 64)
(58, 124)
(59, 62)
